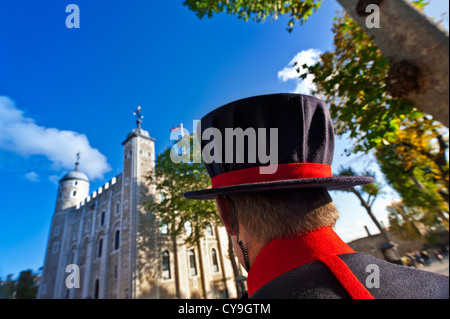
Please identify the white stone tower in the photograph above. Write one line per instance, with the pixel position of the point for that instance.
(73, 188)
(139, 160)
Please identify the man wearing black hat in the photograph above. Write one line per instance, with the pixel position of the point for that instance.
(279, 213)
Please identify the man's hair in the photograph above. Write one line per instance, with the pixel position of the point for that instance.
(284, 213)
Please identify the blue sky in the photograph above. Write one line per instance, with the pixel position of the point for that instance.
(64, 90)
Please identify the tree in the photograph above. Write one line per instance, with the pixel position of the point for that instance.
(371, 191)
(416, 166)
(172, 180)
(7, 288)
(418, 75)
(409, 146)
(352, 80)
(26, 287)
(181, 217)
(378, 83)
(408, 223)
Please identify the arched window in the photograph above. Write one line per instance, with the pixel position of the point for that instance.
(55, 247)
(96, 289)
(165, 265)
(102, 219)
(56, 231)
(215, 264)
(117, 240)
(192, 263)
(209, 230)
(117, 208)
(84, 249)
(100, 247)
(188, 228)
(163, 228)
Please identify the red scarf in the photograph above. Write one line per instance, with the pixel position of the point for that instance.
(282, 255)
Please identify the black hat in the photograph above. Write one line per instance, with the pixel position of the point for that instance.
(283, 141)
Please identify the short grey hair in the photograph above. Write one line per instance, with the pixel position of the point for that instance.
(284, 213)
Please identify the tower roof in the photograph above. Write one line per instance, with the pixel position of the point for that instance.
(74, 175)
(138, 131)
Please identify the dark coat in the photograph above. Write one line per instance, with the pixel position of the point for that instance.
(316, 281)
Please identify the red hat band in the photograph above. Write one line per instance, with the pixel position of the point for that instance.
(288, 171)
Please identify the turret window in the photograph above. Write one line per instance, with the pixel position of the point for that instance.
(165, 265)
(192, 263)
(100, 248)
(55, 247)
(102, 219)
(96, 289)
(74, 193)
(117, 240)
(163, 228)
(215, 264)
(188, 228)
(209, 230)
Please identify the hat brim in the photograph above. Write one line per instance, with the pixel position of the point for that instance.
(330, 183)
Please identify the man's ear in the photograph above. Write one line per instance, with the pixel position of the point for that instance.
(225, 213)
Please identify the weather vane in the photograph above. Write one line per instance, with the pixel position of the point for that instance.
(139, 116)
(77, 163)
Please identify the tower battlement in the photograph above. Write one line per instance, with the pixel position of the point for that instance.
(102, 189)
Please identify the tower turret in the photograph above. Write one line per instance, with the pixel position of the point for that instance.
(138, 161)
(73, 188)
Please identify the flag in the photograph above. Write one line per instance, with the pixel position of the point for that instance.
(176, 128)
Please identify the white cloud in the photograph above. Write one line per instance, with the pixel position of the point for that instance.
(32, 176)
(23, 136)
(289, 73)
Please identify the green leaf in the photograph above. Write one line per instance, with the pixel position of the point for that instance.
(258, 11)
